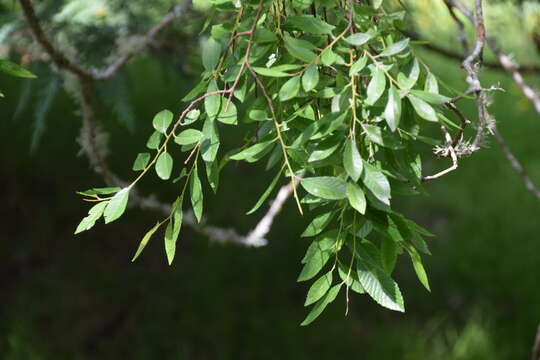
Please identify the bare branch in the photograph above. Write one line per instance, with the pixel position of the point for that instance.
(512, 69)
(536, 348)
(177, 11)
(449, 151)
(56, 55)
(516, 165)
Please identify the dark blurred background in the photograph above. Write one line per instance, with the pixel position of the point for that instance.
(80, 297)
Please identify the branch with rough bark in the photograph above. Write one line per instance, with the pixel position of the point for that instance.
(472, 69)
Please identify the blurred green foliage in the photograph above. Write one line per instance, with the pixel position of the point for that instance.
(67, 298)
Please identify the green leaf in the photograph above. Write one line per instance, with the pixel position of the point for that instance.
(252, 151)
(228, 113)
(418, 266)
(94, 214)
(328, 57)
(188, 137)
(310, 24)
(173, 230)
(99, 191)
(431, 85)
(195, 190)
(395, 48)
(310, 78)
(15, 70)
(409, 77)
(164, 165)
(116, 206)
(376, 85)
(276, 71)
(141, 161)
(389, 253)
(383, 138)
(212, 104)
(323, 152)
(266, 193)
(210, 54)
(318, 224)
(145, 240)
(350, 278)
(302, 4)
(314, 264)
(319, 288)
(212, 174)
(356, 197)
(392, 112)
(358, 66)
(423, 109)
(154, 140)
(359, 39)
(380, 286)
(352, 161)
(192, 116)
(431, 98)
(377, 183)
(300, 49)
(290, 89)
(319, 307)
(162, 121)
(210, 144)
(325, 187)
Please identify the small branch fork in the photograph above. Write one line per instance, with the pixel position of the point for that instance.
(93, 142)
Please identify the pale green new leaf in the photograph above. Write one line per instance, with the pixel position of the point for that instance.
(141, 161)
(162, 121)
(116, 206)
(432, 98)
(392, 112)
(145, 240)
(164, 165)
(195, 189)
(188, 137)
(154, 140)
(94, 214)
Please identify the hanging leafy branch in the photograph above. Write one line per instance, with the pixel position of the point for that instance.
(344, 102)
(333, 98)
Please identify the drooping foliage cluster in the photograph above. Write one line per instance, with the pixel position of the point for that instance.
(332, 98)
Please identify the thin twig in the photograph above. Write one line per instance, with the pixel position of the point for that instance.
(536, 348)
(56, 55)
(516, 165)
(512, 69)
